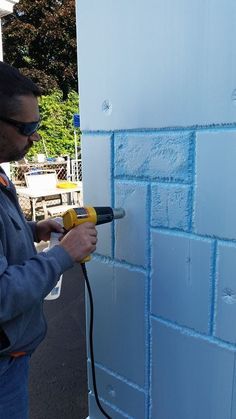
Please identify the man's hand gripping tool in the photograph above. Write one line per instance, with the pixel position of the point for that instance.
(96, 215)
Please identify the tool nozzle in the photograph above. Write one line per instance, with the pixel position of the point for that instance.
(118, 213)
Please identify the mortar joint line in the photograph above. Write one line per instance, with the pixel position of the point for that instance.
(193, 181)
(148, 304)
(213, 301)
(163, 130)
(195, 334)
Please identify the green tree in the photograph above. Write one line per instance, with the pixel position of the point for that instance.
(56, 130)
(40, 39)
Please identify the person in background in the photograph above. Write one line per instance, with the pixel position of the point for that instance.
(26, 277)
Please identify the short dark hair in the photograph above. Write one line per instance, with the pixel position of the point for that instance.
(12, 85)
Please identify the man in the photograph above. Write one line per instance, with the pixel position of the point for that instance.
(26, 276)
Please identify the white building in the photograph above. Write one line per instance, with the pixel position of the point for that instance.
(6, 7)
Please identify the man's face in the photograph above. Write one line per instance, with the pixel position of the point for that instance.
(13, 144)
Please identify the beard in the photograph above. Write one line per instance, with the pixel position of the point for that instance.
(10, 155)
(13, 147)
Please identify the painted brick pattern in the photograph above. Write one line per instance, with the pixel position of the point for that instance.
(170, 206)
(162, 157)
(128, 246)
(180, 291)
(215, 203)
(225, 313)
(167, 279)
(193, 372)
(115, 391)
(120, 300)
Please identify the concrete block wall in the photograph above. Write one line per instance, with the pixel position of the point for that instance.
(163, 278)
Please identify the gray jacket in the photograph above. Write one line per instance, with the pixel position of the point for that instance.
(25, 276)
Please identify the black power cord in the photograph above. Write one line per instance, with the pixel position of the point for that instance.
(91, 341)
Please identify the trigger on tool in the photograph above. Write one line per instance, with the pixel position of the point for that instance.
(86, 259)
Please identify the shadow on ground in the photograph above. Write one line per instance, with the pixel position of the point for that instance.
(58, 378)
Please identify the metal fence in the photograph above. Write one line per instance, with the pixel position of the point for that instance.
(76, 170)
(68, 170)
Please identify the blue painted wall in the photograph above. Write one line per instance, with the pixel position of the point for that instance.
(163, 278)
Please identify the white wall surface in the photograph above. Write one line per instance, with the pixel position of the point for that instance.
(156, 63)
(163, 278)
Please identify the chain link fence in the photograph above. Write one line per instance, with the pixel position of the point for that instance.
(68, 170)
(76, 170)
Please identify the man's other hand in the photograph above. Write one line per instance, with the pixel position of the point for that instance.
(44, 229)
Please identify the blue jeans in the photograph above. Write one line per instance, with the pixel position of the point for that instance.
(14, 400)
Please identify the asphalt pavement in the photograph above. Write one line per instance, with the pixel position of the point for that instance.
(58, 375)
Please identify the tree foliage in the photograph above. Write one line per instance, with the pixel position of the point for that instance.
(40, 39)
(56, 130)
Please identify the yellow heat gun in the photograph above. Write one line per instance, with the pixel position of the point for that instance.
(96, 215)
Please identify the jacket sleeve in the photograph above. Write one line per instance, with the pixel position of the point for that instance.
(24, 285)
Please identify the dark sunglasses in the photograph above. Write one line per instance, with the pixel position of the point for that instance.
(25, 128)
